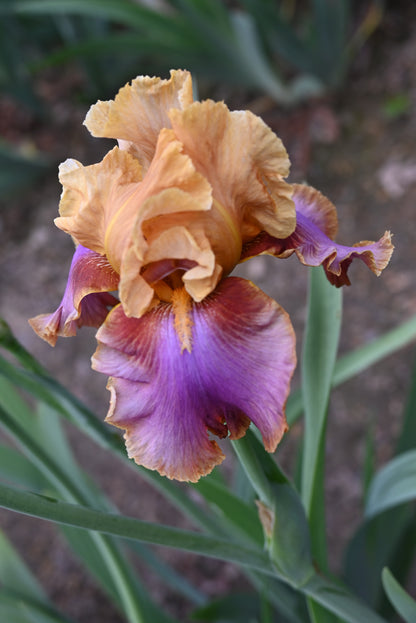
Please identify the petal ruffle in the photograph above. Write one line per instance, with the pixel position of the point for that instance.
(92, 196)
(316, 223)
(245, 163)
(86, 300)
(105, 205)
(175, 377)
(170, 250)
(140, 111)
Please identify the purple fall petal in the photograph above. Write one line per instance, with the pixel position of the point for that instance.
(316, 224)
(167, 396)
(86, 299)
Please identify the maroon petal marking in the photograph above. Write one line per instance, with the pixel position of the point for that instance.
(316, 224)
(169, 389)
(86, 300)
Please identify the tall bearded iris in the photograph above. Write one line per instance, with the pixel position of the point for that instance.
(190, 191)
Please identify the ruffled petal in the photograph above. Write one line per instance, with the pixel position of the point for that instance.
(187, 368)
(86, 300)
(140, 111)
(93, 196)
(104, 206)
(170, 250)
(244, 161)
(316, 223)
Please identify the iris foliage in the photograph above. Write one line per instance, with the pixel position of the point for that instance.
(283, 555)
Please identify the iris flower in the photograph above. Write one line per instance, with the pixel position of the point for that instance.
(191, 190)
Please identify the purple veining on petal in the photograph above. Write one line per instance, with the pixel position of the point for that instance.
(315, 219)
(86, 300)
(239, 369)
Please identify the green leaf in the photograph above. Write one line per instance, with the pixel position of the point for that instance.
(241, 485)
(241, 517)
(18, 470)
(403, 603)
(394, 484)
(407, 437)
(233, 608)
(369, 551)
(169, 575)
(18, 607)
(328, 45)
(22, 598)
(14, 572)
(319, 614)
(369, 460)
(254, 60)
(80, 541)
(280, 509)
(125, 12)
(132, 596)
(85, 548)
(319, 354)
(337, 600)
(290, 546)
(49, 391)
(46, 464)
(288, 602)
(318, 360)
(130, 528)
(359, 360)
(279, 33)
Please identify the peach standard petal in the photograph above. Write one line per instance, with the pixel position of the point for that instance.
(139, 111)
(92, 196)
(172, 249)
(245, 163)
(103, 203)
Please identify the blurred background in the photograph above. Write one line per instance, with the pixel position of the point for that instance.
(336, 80)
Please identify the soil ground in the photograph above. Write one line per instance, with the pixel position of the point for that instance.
(358, 155)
